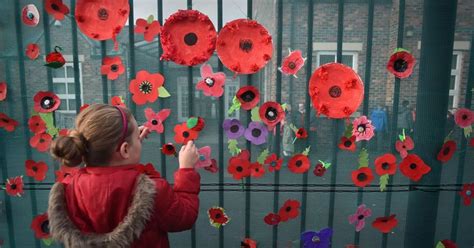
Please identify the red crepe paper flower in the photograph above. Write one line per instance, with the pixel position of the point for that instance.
(292, 63)
(467, 193)
(319, 170)
(217, 217)
(148, 29)
(363, 128)
(248, 96)
(65, 172)
(145, 87)
(155, 120)
(3, 91)
(37, 170)
(386, 164)
(401, 64)
(239, 166)
(112, 67)
(362, 177)
(257, 170)
(348, 143)
(447, 244)
(404, 146)
(211, 83)
(200, 124)
(183, 134)
(168, 149)
(40, 226)
(30, 15)
(46, 101)
(117, 101)
(7, 123)
(336, 90)
(36, 124)
(301, 133)
(299, 164)
(385, 224)
(63, 132)
(188, 38)
(271, 113)
(274, 164)
(213, 167)
(290, 210)
(272, 219)
(464, 117)
(414, 167)
(41, 141)
(148, 169)
(14, 186)
(55, 59)
(56, 8)
(447, 151)
(248, 243)
(244, 46)
(32, 51)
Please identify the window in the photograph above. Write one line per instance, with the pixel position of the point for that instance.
(348, 58)
(64, 87)
(455, 82)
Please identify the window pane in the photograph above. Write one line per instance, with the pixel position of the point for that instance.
(59, 88)
(63, 105)
(454, 64)
(71, 88)
(451, 101)
(184, 100)
(59, 73)
(70, 71)
(452, 84)
(72, 104)
(347, 60)
(324, 59)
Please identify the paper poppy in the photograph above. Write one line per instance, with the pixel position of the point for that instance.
(112, 67)
(204, 157)
(386, 164)
(248, 96)
(56, 8)
(145, 87)
(363, 128)
(239, 167)
(336, 90)
(292, 63)
(55, 59)
(467, 193)
(233, 128)
(447, 151)
(274, 164)
(211, 83)
(217, 217)
(117, 101)
(290, 210)
(40, 225)
(404, 146)
(446, 244)
(359, 217)
(84, 106)
(244, 46)
(257, 170)
(385, 224)
(46, 101)
(196, 123)
(148, 169)
(321, 239)
(401, 64)
(7, 123)
(271, 113)
(155, 120)
(63, 132)
(102, 20)
(41, 141)
(348, 143)
(256, 133)
(362, 177)
(30, 15)
(299, 164)
(14, 186)
(272, 219)
(464, 117)
(301, 133)
(36, 124)
(188, 37)
(471, 143)
(168, 149)
(65, 172)
(248, 243)
(3, 91)
(149, 28)
(37, 170)
(213, 167)
(183, 134)
(414, 167)
(319, 170)
(32, 51)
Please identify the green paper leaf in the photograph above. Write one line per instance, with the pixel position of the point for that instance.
(448, 137)
(261, 158)
(235, 105)
(150, 19)
(48, 241)
(402, 136)
(399, 49)
(284, 106)
(233, 147)
(440, 245)
(192, 122)
(467, 131)
(325, 164)
(383, 182)
(293, 127)
(49, 120)
(306, 151)
(348, 131)
(163, 93)
(363, 158)
(255, 114)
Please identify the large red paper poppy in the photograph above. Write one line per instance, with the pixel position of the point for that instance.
(36, 124)
(362, 177)
(3, 91)
(292, 63)
(248, 96)
(56, 8)
(385, 224)
(386, 164)
(274, 164)
(257, 170)
(41, 141)
(188, 38)
(7, 123)
(145, 87)
(46, 101)
(217, 217)
(55, 59)
(299, 164)
(112, 67)
(447, 151)
(348, 143)
(336, 90)
(32, 51)
(414, 167)
(272, 219)
(37, 170)
(40, 226)
(239, 167)
(183, 134)
(14, 186)
(149, 30)
(271, 113)
(244, 46)
(467, 193)
(401, 64)
(211, 83)
(30, 15)
(290, 210)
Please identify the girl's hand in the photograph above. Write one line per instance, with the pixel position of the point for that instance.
(188, 156)
(144, 131)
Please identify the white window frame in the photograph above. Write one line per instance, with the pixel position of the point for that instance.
(355, 57)
(457, 73)
(66, 80)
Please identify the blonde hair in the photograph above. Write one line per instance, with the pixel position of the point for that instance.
(97, 134)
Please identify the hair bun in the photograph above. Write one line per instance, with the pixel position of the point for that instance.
(70, 149)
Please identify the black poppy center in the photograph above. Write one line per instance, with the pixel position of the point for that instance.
(45, 226)
(209, 82)
(464, 117)
(384, 220)
(347, 143)
(35, 169)
(114, 68)
(246, 45)
(256, 132)
(300, 132)
(218, 216)
(30, 16)
(47, 102)
(248, 96)
(288, 209)
(234, 128)
(103, 14)
(271, 114)
(5, 120)
(292, 65)
(145, 87)
(55, 7)
(239, 169)
(335, 91)
(361, 128)
(190, 39)
(13, 186)
(41, 140)
(154, 122)
(361, 177)
(273, 164)
(446, 151)
(299, 163)
(413, 166)
(360, 217)
(385, 166)
(257, 169)
(169, 147)
(185, 134)
(400, 65)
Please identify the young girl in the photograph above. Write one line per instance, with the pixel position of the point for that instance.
(111, 202)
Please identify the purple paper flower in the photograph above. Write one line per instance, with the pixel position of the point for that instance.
(359, 217)
(321, 239)
(256, 133)
(233, 128)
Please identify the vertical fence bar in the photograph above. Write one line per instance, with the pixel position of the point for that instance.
(105, 89)
(161, 100)
(75, 58)
(462, 156)
(278, 99)
(131, 42)
(221, 112)
(24, 104)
